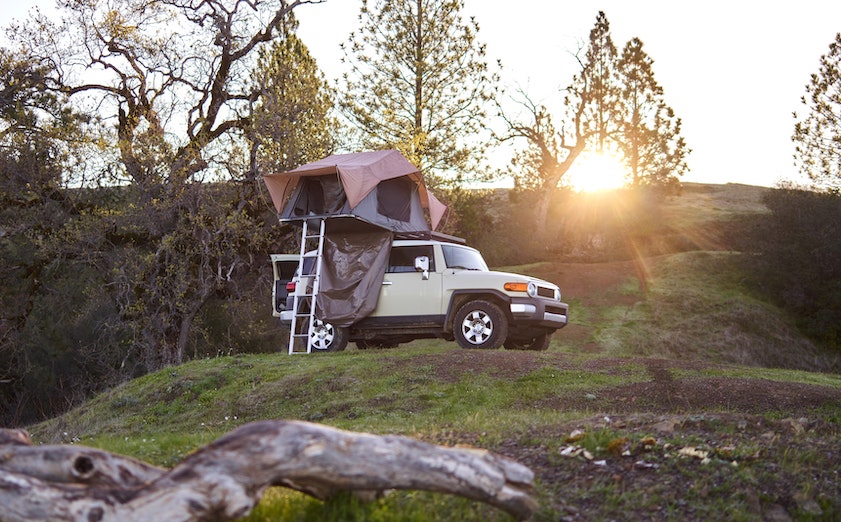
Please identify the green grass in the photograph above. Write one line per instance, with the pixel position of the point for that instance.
(696, 307)
(162, 417)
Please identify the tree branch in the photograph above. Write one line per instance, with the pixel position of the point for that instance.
(225, 480)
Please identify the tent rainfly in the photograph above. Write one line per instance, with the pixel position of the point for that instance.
(380, 187)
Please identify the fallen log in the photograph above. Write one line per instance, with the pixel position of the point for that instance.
(226, 479)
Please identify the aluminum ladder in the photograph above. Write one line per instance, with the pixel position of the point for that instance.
(304, 302)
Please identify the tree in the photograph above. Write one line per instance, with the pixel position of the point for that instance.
(590, 106)
(173, 95)
(817, 134)
(38, 355)
(292, 121)
(594, 94)
(179, 102)
(419, 83)
(649, 139)
(613, 104)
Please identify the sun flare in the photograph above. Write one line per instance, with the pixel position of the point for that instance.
(593, 172)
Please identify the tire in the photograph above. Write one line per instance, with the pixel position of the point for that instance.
(324, 337)
(538, 344)
(481, 325)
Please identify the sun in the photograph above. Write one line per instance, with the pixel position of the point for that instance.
(597, 171)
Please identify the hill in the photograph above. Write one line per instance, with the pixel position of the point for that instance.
(674, 394)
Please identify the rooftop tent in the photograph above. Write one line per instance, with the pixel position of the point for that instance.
(378, 187)
(367, 196)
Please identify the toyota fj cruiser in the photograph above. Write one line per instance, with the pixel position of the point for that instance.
(436, 289)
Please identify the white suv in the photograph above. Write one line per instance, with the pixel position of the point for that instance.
(440, 289)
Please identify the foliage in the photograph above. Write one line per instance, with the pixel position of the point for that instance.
(50, 306)
(292, 123)
(179, 102)
(593, 95)
(601, 226)
(817, 133)
(419, 83)
(202, 254)
(589, 105)
(797, 259)
(650, 137)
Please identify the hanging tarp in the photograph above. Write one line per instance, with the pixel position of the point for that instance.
(351, 280)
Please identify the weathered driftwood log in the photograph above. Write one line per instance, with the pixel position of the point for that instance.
(225, 479)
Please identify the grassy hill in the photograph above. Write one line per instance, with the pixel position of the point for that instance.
(675, 394)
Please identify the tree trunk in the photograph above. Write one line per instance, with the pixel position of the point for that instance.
(225, 480)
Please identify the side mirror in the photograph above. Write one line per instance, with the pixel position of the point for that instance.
(422, 265)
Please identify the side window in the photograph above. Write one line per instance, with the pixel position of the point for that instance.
(402, 259)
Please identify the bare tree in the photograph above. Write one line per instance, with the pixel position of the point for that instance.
(171, 80)
(590, 105)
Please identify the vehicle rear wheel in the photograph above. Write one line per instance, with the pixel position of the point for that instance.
(480, 324)
(324, 337)
(539, 343)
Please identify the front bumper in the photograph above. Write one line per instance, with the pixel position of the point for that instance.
(539, 312)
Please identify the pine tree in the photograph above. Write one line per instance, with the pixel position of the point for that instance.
(292, 122)
(419, 83)
(593, 96)
(649, 138)
(818, 134)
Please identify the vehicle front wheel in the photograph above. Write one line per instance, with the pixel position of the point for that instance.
(539, 343)
(324, 337)
(480, 324)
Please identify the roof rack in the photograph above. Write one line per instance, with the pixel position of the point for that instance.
(426, 234)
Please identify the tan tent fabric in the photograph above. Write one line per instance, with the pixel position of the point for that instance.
(359, 173)
(436, 211)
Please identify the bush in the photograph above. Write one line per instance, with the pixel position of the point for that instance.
(796, 259)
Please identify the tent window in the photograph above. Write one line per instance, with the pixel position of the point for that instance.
(394, 198)
(310, 199)
(319, 196)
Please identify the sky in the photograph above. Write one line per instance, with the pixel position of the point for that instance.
(734, 71)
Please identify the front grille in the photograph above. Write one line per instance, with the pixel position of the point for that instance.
(546, 292)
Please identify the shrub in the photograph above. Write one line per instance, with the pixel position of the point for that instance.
(796, 259)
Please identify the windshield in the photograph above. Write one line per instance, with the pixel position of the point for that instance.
(466, 258)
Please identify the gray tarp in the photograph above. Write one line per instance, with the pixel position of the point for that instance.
(352, 275)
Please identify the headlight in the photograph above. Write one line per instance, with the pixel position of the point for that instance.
(532, 290)
(557, 294)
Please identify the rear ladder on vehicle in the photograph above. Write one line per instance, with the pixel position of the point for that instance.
(304, 303)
